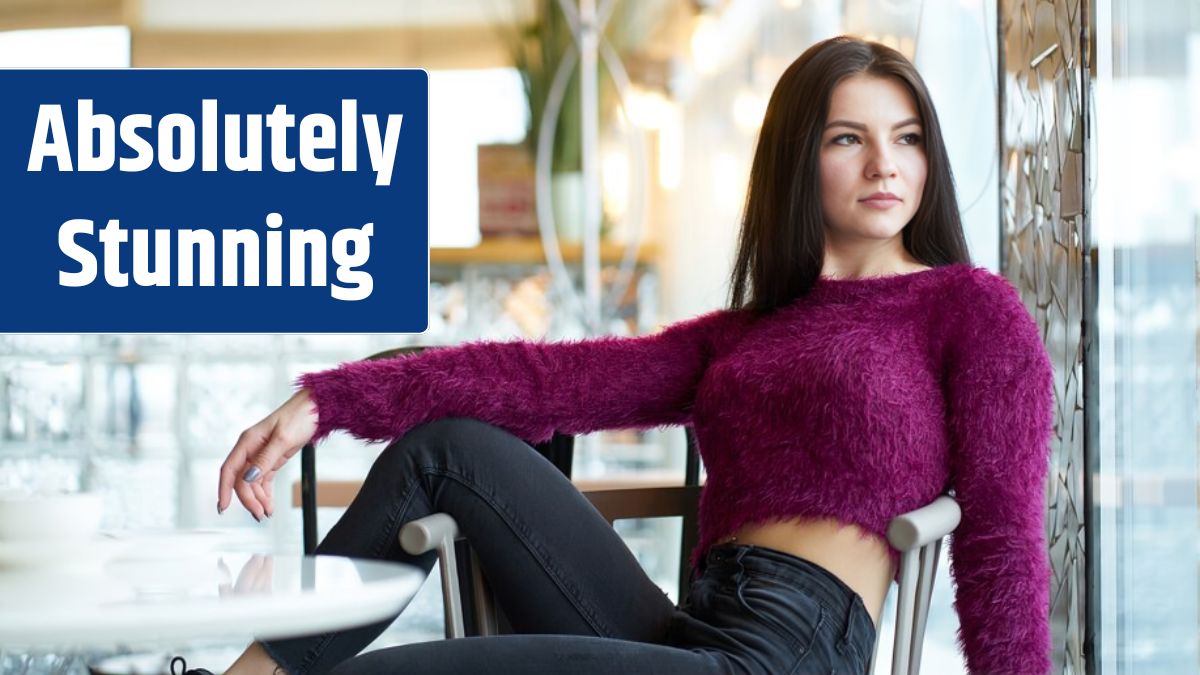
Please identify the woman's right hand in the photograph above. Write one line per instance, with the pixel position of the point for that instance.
(262, 450)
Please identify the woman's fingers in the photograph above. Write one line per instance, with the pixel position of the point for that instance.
(226, 478)
(261, 495)
(264, 490)
(247, 444)
(268, 484)
(269, 458)
(242, 471)
(245, 493)
(262, 450)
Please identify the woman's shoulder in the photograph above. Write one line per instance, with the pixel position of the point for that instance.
(715, 329)
(987, 311)
(976, 290)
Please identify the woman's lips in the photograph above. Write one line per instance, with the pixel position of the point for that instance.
(881, 203)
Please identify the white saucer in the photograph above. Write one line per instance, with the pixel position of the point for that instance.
(175, 544)
(58, 554)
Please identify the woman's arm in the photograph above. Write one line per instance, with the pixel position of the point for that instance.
(529, 388)
(1000, 388)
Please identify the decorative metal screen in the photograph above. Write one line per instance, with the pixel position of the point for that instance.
(1044, 69)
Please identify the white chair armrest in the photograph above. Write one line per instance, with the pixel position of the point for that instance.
(929, 523)
(438, 531)
(425, 534)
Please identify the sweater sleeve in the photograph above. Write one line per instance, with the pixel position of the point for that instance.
(529, 388)
(1000, 385)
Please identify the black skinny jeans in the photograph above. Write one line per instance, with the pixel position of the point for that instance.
(576, 597)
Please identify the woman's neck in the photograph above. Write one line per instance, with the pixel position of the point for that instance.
(871, 269)
(878, 258)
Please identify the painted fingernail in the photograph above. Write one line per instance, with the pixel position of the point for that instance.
(251, 473)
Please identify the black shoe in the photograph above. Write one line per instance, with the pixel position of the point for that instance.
(185, 671)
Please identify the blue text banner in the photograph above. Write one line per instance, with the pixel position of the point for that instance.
(226, 201)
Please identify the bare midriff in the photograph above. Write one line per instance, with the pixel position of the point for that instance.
(862, 563)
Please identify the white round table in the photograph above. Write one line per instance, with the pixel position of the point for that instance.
(213, 594)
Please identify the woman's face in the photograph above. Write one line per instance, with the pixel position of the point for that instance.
(872, 143)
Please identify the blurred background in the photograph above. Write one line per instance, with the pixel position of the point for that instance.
(1070, 126)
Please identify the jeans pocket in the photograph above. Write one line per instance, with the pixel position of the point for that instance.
(862, 643)
(796, 616)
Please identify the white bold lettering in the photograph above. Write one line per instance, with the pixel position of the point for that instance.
(161, 276)
(298, 241)
(383, 152)
(346, 262)
(208, 133)
(234, 159)
(49, 139)
(274, 250)
(230, 241)
(166, 142)
(310, 141)
(104, 156)
(112, 236)
(280, 121)
(129, 136)
(349, 134)
(203, 240)
(87, 261)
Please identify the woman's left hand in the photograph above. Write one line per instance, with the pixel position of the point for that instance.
(262, 450)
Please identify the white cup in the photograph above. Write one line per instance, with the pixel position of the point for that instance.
(50, 517)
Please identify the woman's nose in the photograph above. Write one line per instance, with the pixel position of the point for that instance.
(881, 165)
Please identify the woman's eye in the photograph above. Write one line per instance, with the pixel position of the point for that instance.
(847, 139)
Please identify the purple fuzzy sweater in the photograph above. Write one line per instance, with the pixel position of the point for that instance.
(860, 401)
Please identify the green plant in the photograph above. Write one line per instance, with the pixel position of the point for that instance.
(536, 49)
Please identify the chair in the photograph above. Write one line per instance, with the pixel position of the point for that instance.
(917, 535)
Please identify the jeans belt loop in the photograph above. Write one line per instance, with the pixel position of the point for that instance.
(741, 553)
(741, 567)
(849, 625)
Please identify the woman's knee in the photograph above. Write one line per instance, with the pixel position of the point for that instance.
(464, 438)
(452, 429)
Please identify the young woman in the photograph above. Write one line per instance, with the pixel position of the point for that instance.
(863, 367)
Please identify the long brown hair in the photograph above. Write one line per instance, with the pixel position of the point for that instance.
(781, 247)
